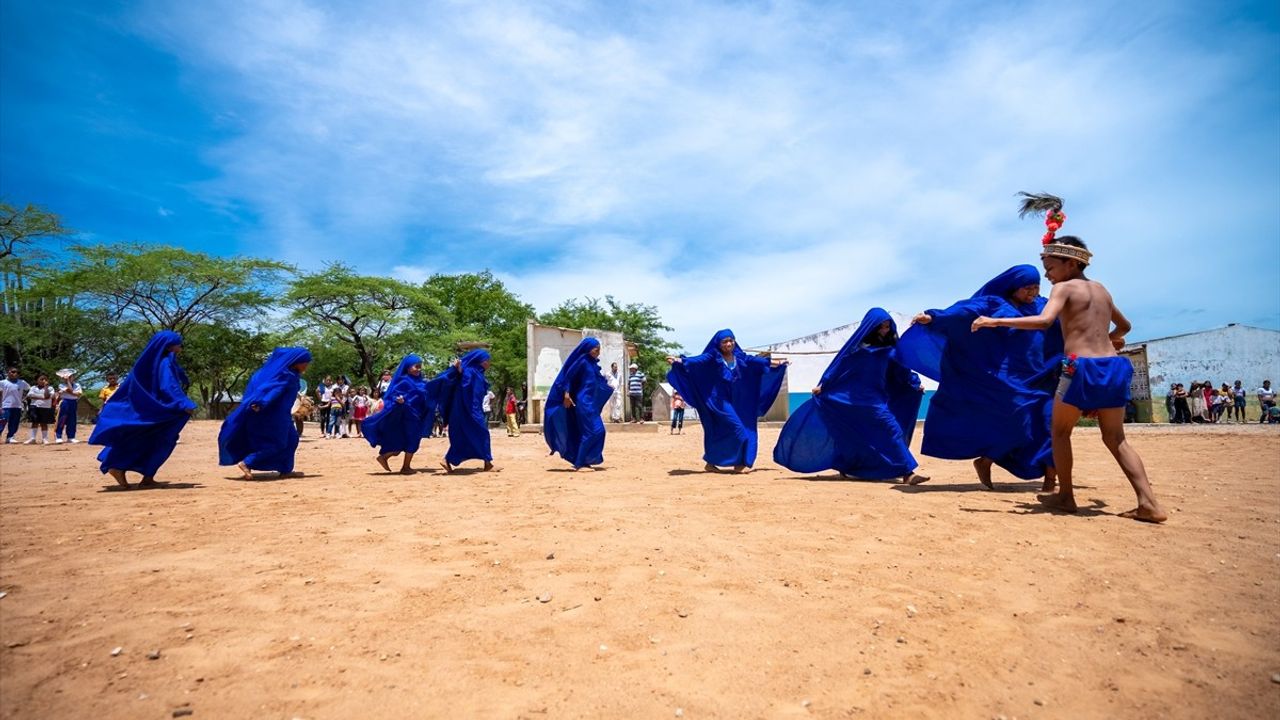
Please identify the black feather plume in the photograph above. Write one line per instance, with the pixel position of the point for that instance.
(1038, 203)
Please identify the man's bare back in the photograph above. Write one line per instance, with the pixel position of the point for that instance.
(1086, 314)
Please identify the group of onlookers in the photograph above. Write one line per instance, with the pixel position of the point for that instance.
(1202, 402)
(45, 404)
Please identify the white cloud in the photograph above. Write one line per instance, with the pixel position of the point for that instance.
(774, 167)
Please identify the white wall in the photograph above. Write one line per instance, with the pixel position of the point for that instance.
(1235, 352)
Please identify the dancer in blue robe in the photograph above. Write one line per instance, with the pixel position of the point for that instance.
(861, 416)
(995, 396)
(731, 390)
(407, 411)
(260, 433)
(139, 427)
(462, 400)
(571, 423)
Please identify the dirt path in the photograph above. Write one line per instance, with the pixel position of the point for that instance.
(639, 590)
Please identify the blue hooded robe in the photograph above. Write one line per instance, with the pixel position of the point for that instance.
(266, 439)
(577, 432)
(995, 392)
(399, 426)
(139, 427)
(729, 400)
(861, 423)
(462, 400)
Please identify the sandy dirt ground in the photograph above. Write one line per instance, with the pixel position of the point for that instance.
(646, 590)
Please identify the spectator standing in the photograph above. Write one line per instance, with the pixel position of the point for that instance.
(616, 400)
(635, 392)
(41, 399)
(1221, 401)
(486, 404)
(1266, 399)
(360, 409)
(1169, 402)
(68, 403)
(510, 409)
(1181, 405)
(1240, 396)
(113, 384)
(324, 393)
(677, 414)
(13, 394)
(384, 383)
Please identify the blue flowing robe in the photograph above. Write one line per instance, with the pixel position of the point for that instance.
(463, 405)
(995, 392)
(861, 423)
(266, 439)
(729, 400)
(140, 426)
(400, 426)
(578, 432)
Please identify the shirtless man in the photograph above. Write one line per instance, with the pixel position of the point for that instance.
(1094, 377)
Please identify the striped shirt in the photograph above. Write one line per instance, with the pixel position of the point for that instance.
(635, 383)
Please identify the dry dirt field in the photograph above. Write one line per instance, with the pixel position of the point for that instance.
(647, 590)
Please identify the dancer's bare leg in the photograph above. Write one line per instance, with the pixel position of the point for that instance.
(488, 466)
(245, 471)
(1050, 479)
(1064, 421)
(445, 464)
(1112, 423)
(983, 467)
(118, 476)
(404, 467)
(382, 460)
(148, 481)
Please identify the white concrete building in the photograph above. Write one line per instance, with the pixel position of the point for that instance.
(1226, 354)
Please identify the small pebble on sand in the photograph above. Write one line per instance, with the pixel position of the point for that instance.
(116, 651)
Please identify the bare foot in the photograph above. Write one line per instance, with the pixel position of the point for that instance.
(447, 467)
(148, 482)
(118, 475)
(382, 460)
(741, 469)
(406, 470)
(983, 467)
(915, 479)
(1058, 503)
(710, 468)
(1145, 514)
(1050, 480)
(245, 471)
(488, 467)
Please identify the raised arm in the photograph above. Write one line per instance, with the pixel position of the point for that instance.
(1046, 318)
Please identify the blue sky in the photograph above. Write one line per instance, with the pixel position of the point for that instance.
(771, 167)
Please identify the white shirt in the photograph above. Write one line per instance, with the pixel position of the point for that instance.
(73, 394)
(487, 404)
(12, 392)
(1267, 393)
(41, 397)
(326, 394)
(383, 385)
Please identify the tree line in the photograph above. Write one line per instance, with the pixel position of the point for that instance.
(92, 307)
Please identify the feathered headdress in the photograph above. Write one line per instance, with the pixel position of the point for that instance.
(1054, 218)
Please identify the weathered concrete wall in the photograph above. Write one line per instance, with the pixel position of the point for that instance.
(1235, 352)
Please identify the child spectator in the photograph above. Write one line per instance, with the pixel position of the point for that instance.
(360, 409)
(41, 398)
(68, 403)
(677, 414)
(13, 394)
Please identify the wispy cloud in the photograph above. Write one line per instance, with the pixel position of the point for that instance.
(775, 167)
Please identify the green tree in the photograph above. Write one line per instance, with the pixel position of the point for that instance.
(21, 226)
(219, 360)
(482, 309)
(171, 288)
(639, 323)
(379, 318)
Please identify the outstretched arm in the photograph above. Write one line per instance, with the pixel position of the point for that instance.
(1031, 322)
